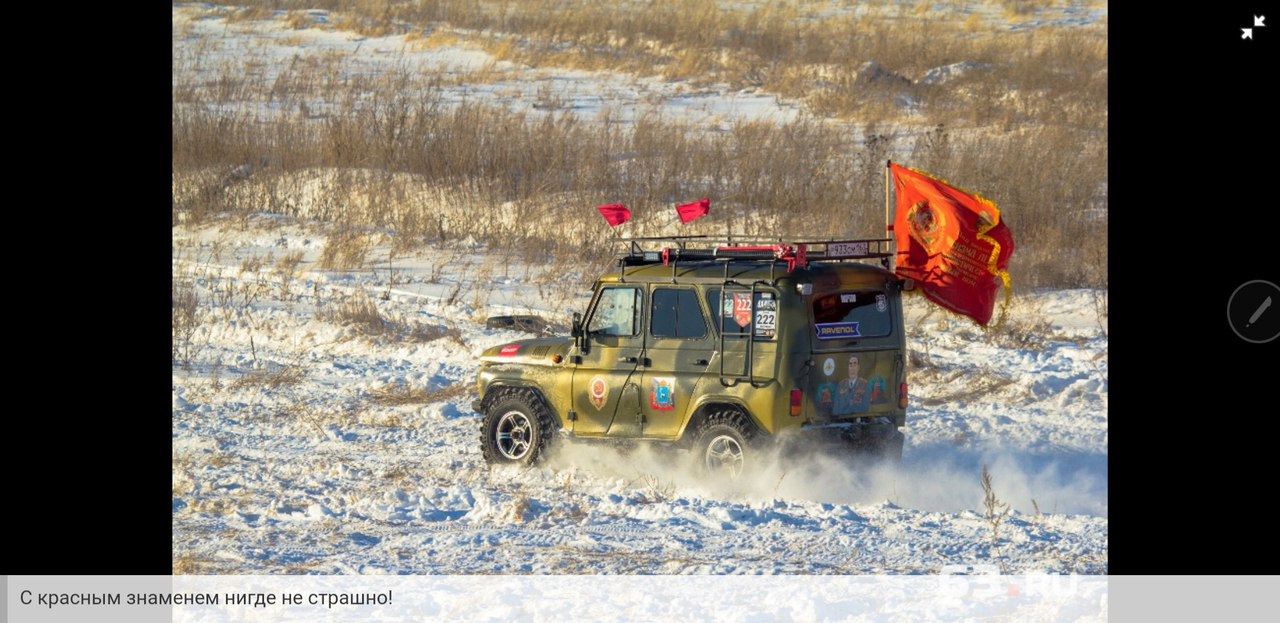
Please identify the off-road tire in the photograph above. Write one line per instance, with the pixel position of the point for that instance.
(725, 446)
(517, 428)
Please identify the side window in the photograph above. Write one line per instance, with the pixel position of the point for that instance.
(617, 312)
(739, 315)
(676, 313)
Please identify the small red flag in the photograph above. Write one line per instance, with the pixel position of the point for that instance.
(616, 214)
(953, 244)
(694, 211)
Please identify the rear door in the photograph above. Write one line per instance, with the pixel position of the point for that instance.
(856, 352)
(678, 351)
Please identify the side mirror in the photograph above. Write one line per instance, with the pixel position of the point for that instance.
(576, 331)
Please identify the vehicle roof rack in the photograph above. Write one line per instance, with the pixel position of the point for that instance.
(796, 253)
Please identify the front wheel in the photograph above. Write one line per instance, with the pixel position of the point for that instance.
(517, 429)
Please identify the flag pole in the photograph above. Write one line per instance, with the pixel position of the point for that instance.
(888, 227)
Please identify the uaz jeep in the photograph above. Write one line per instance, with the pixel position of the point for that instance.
(722, 349)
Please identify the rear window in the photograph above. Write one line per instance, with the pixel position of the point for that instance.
(851, 315)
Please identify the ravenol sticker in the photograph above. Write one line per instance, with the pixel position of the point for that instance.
(881, 303)
(597, 392)
(509, 350)
(838, 330)
(829, 366)
(663, 395)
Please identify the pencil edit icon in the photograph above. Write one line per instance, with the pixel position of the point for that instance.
(1249, 312)
(1258, 313)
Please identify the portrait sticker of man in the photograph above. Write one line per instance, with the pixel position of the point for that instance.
(853, 395)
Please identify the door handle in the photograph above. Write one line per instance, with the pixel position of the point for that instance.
(700, 362)
(628, 359)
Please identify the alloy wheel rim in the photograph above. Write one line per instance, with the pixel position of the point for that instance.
(724, 455)
(514, 435)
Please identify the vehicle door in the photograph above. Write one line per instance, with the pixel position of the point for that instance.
(614, 344)
(678, 351)
(857, 353)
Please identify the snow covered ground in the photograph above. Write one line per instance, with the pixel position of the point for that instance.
(306, 443)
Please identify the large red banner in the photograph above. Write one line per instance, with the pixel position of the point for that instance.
(951, 242)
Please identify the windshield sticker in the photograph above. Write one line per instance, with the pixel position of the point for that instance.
(597, 392)
(663, 395)
(829, 366)
(838, 330)
(881, 303)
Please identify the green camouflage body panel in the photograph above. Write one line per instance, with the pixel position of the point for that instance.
(630, 383)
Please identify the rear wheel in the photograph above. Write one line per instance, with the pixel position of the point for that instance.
(517, 428)
(724, 448)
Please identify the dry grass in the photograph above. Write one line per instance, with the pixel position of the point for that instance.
(995, 511)
(429, 333)
(654, 490)
(518, 510)
(1028, 131)
(1027, 326)
(972, 384)
(358, 312)
(344, 250)
(400, 394)
(189, 564)
(188, 316)
(270, 378)
(300, 20)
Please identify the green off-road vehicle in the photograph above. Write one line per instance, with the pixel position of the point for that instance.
(725, 349)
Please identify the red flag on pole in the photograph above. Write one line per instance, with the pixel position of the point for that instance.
(694, 211)
(952, 243)
(616, 214)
